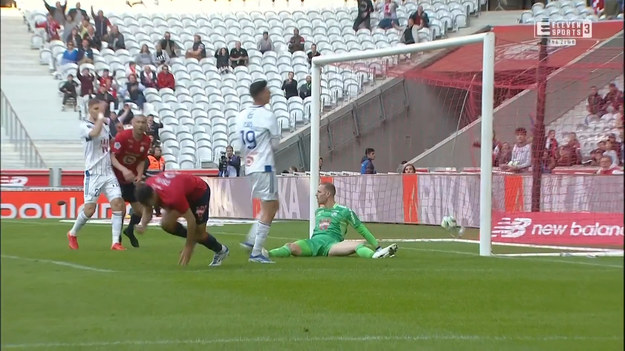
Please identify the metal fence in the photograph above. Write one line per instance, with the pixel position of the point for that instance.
(17, 134)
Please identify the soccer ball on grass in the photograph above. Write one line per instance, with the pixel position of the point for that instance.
(448, 222)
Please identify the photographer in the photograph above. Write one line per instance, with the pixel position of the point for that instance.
(229, 163)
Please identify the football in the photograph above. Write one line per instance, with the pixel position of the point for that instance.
(448, 222)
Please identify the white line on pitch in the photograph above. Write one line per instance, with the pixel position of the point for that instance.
(59, 263)
(434, 337)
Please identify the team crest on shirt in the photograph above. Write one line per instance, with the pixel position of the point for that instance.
(199, 211)
(324, 224)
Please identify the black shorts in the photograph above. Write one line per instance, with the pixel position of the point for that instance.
(200, 207)
(128, 192)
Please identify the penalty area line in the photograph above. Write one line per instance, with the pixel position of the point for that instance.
(59, 263)
(433, 337)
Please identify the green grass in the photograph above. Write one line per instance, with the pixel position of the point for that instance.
(431, 296)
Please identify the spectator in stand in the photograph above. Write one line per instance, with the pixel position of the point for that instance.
(83, 29)
(70, 55)
(115, 125)
(504, 155)
(616, 146)
(238, 56)
(78, 12)
(594, 102)
(134, 91)
(595, 158)
(410, 34)
(612, 8)
(590, 117)
(265, 44)
(52, 28)
(156, 162)
(551, 145)
(566, 157)
(71, 24)
(104, 95)
(363, 19)
(306, 89)
(69, 91)
(165, 79)
(86, 89)
(144, 57)
(409, 168)
(549, 162)
(74, 38)
(521, 153)
(320, 163)
(148, 77)
(161, 57)
(400, 168)
(296, 43)
(94, 40)
(106, 78)
(389, 14)
(132, 69)
(420, 18)
(115, 39)
(576, 146)
(607, 166)
(153, 128)
(57, 12)
(125, 115)
(169, 45)
(102, 24)
(613, 98)
(198, 50)
(366, 164)
(223, 60)
(611, 153)
(289, 86)
(85, 53)
(312, 53)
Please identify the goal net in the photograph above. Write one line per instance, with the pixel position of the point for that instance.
(461, 113)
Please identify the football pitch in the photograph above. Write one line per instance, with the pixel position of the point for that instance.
(431, 296)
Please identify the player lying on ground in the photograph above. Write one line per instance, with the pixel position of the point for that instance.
(99, 176)
(130, 150)
(329, 234)
(180, 195)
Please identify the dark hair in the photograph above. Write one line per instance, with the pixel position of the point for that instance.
(265, 32)
(330, 188)
(520, 130)
(369, 150)
(143, 193)
(94, 101)
(257, 87)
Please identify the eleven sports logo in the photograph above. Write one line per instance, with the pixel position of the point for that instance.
(563, 32)
(517, 227)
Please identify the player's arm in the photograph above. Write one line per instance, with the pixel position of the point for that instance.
(97, 127)
(274, 130)
(192, 237)
(118, 147)
(355, 222)
(140, 170)
(146, 217)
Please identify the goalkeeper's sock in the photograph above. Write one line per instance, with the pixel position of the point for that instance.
(209, 243)
(364, 252)
(262, 231)
(283, 251)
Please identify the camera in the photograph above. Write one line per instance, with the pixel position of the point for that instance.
(223, 162)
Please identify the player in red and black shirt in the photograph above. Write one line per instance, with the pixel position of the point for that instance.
(181, 195)
(130, 150)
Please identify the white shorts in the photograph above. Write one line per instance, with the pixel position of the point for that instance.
(96, 184)
(264, 186)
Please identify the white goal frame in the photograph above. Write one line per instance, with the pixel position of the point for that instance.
(488, 77)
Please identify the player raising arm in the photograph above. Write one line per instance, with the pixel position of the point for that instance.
(130, 150)
(328, 237)
(181, 195)
(99, 177)
(260, 135)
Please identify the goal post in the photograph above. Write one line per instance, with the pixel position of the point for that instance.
(488, 74)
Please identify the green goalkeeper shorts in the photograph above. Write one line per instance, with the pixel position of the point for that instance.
(319, 245)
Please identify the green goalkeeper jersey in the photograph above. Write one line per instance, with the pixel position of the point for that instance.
(333, 222)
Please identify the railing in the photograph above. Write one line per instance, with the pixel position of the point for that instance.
(17, 134)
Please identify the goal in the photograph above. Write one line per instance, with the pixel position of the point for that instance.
(488, 62)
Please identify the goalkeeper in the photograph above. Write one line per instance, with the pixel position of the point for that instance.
(329, 234)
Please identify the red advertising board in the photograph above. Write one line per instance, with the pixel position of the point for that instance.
(558, 228)
(41, 178)
(46, 203)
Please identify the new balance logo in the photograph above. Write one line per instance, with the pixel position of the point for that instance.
(511, 227)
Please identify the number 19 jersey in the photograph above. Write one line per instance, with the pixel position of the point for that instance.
(259, 134)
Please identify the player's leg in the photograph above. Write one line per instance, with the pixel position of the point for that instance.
(299, 248)
(118, 206)
(91, 191)
(346, 248)
(201, 212)
(128, 194)
(264, 188)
